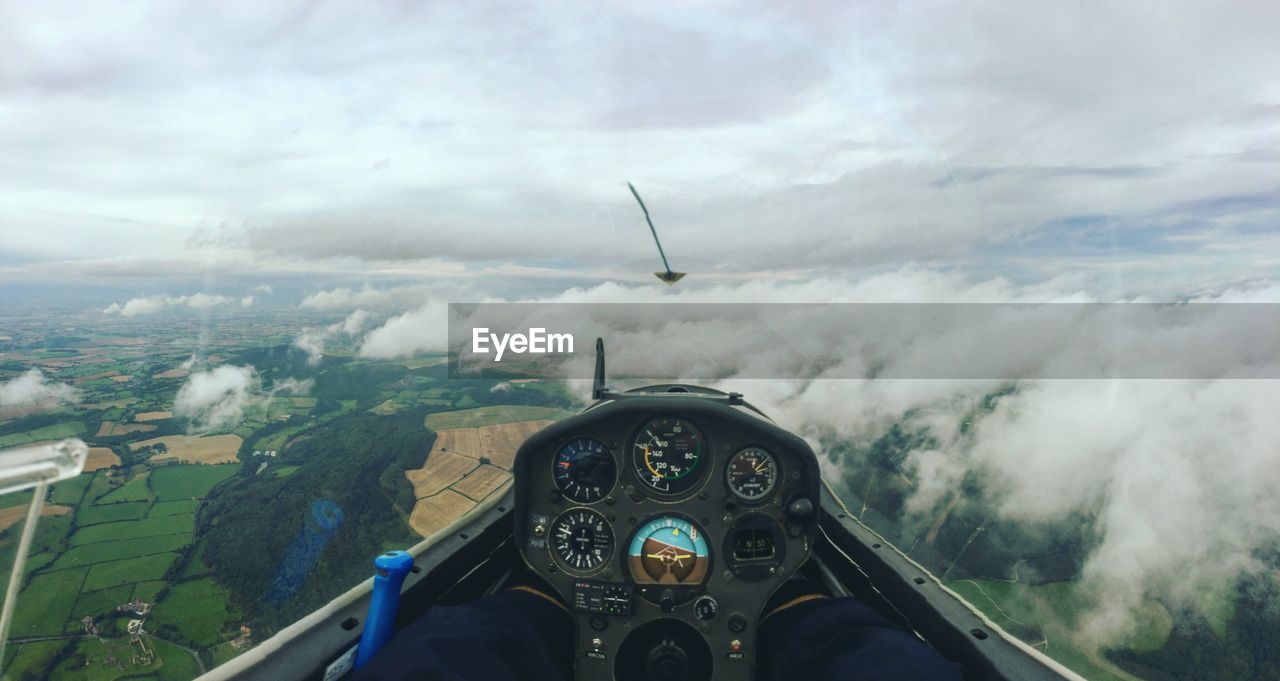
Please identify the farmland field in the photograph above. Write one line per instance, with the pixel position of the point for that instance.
(147, 527)
(198, 610)
(92, 515)
(70, 491)
(133, 490)
(128, 571)
(111, 428)
(188, 482)
(46, 603)
(165, 508)
(434, 513)
(100, 457)
(54, 432)
(486, 416)
(87, 554)
(12, 515)
(210, 449)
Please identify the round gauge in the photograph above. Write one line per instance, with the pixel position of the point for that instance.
(581, 539)
(668, 550)
(752, 474)
(584, 470)
(667, 455)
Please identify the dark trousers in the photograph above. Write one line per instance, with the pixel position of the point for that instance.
(518, 636)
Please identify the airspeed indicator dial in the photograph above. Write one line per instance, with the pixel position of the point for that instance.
(752, 474)
(667, 455)
(581, 540)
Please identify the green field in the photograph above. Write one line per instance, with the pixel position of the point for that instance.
(68, 492)
(110, 513)
(276, 440)
(147, 591)
(196, 567)
(98, 603)
(102, 552)
(132, 529)
(134, 490)
(54, 432)
(99, 484)
(165, 508)
(15, 499)
(188, 481)
(43, 607)
(32, 657)
(200, 611)
(173, 663)
(488, 416)
(128, 571)
(283, 471)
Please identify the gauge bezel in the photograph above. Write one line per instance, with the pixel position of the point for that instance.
(773, 487)
(613, 483)
(683, 593)
(706, 462)
(555, 554)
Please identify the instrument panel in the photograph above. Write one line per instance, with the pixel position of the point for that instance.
(665, 521)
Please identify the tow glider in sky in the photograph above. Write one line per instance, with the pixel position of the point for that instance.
(668, 276)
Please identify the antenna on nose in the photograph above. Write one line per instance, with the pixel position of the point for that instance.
(598, 387)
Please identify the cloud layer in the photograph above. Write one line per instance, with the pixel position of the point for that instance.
(771, 139)
(218, 398)
(155, 304)
(32, 390)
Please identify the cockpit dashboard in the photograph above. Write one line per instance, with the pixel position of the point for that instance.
(666, 519)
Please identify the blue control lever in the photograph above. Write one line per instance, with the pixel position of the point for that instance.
(380, 624)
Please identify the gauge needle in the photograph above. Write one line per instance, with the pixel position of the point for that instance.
(659, 556)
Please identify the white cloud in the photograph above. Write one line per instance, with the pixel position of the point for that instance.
(152, 304)
(389, 298)
(217, 399)
(33, 390)
(246, 301)
(408, 334)
(312, 340)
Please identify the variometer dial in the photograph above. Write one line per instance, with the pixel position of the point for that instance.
(667, 455)
(584, 470)
(582, 540)
(752, 474)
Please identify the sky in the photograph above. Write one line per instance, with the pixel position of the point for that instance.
(171, 149)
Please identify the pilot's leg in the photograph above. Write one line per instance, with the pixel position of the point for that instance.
(520, 633)
(813, 636)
